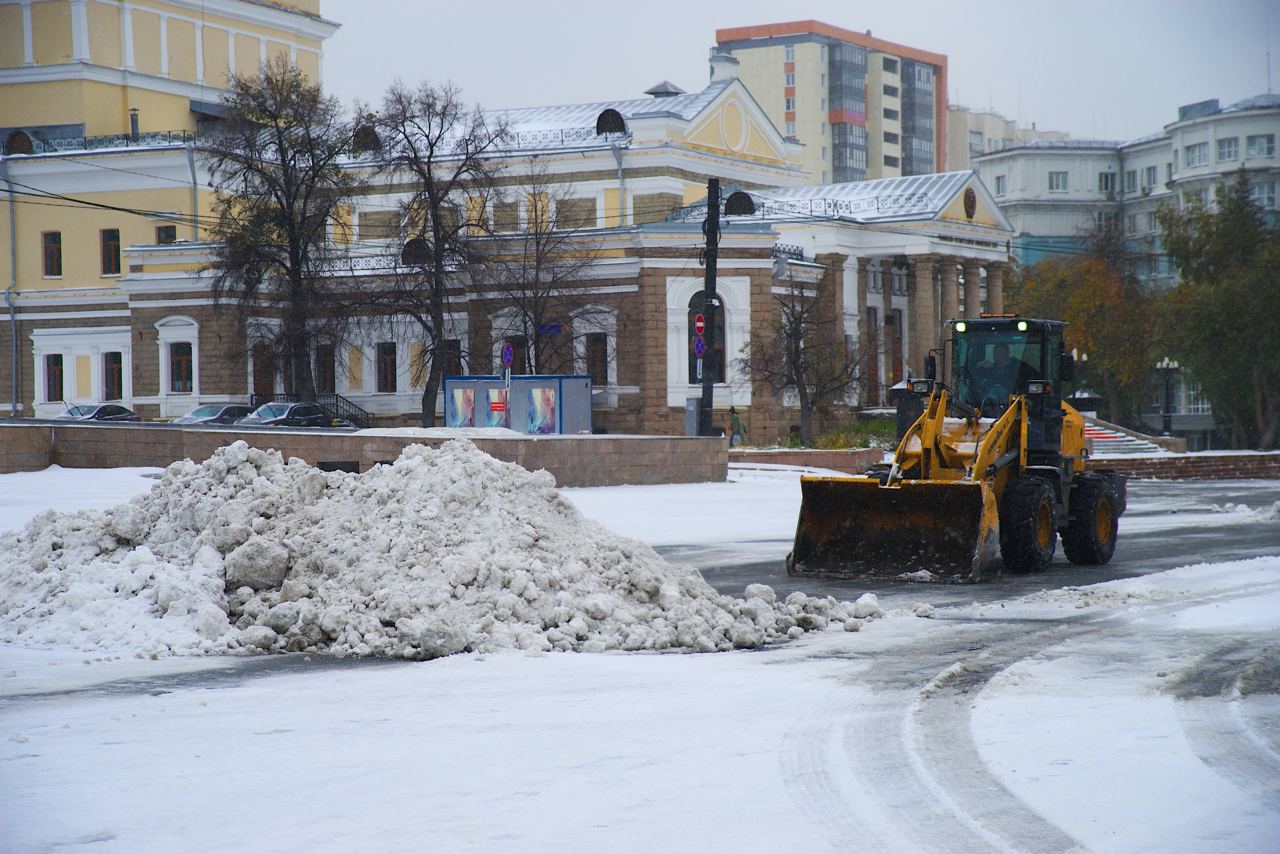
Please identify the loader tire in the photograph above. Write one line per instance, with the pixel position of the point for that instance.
(1027, 532)
(1090, 537)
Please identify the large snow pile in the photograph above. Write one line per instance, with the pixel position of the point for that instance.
(443, 551)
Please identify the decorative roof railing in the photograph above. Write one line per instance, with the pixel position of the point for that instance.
(555, 137)
(818, 208)
(92, 143)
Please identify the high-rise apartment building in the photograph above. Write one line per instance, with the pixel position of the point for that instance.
(862, 106)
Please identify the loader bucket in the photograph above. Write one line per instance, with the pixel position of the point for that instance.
(856, 527)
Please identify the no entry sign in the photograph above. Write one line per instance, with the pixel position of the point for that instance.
(699, 324)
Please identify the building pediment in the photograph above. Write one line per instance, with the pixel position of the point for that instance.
(735, 125)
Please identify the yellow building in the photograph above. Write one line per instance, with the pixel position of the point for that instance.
(100, 103)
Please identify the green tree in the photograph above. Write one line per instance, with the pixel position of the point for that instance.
(1110, 315)
(1222, 313)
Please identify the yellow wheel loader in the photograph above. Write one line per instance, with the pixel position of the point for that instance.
(989, 469)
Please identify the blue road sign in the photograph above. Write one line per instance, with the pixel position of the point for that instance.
(508, 355)
(699, 345)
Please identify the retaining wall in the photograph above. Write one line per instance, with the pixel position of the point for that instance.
(599, 460)
(851, 461)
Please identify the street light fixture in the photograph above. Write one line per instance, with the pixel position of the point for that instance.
(1081, 358)
(1168, 367)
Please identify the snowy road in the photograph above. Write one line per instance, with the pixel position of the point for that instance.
(1136, 715)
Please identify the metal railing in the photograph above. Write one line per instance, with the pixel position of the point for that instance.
(335, 404)
(91, 143)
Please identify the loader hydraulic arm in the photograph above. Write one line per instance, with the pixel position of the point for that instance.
(1003, 444)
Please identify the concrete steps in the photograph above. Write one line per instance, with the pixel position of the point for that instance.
(1108, 442)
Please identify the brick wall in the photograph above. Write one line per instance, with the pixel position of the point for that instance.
(573, 460)
(1262, 466)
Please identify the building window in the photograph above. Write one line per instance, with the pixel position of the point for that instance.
(326, 368)
(597, 353)
(1107, 219)
(1264, 194)
(890, 91)
(890, 160)
(824, 129)
(1131, 180)
(1000, 185)
(1152, 225)
(789, 53)
(112, 376)
(1106, 182)
(891, 115)
(891, 138)
(822, 80)
(110, 241)
(1229, 149)
(1261, 145)
(824, 105)
(790, 105)
(789, 78)
(1196, 155)
(1150, 176)
(180, 367)
(166, 234)
(1131, 224)
(975, 141)
(1168, 170)
(520, 355)
(824, 152)
(53, 378)
(386, 367)
(890, 65)
(1057, 182)
(1197, 403)
(791, 128)
(51, 243)
(450, 355)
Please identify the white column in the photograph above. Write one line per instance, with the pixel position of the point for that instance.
(231, 53)
(79, 30)
(126, 36)
(164, 45)
(28, 40)
(293, 55)
(199, 52)
(262, 51)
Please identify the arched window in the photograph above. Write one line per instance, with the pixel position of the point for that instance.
(712, 360)
(18, 143)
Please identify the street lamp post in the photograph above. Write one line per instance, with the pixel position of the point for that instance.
(1168, 367)
(1081, 358)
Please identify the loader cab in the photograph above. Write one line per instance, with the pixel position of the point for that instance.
(993, 358)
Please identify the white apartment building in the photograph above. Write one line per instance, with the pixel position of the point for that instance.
(1054, 192)
(974, 132)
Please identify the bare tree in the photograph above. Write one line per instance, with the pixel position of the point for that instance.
(278, 171)
(538, 267)
(445, 150)
(805, 353)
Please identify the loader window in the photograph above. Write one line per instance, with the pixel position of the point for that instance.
(993, 364)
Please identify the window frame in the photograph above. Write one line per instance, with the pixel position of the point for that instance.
(109, 254)
(51, 254)
(1195, 155)
(1260, 145)
(1001, 184)
(166, 235)
(1061, 176)
(55, 364)
(1234, 145)
(385, 369)
(181, 367)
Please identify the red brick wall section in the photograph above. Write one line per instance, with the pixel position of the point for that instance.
(573, 460)
(1260, 466)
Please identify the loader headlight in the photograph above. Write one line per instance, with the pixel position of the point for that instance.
(1022, 326)
(921, 386)
(961, 326)
(1037, 387)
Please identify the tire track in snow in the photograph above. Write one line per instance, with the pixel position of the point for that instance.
(908, 749)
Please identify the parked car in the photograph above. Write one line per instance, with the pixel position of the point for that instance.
(99, 412)
(287, 415)
(215, 413)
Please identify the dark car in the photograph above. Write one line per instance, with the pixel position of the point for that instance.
(215, 413)
(99, 412)
(287, 415)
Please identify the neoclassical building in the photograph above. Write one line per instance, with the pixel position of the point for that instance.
(120, 306)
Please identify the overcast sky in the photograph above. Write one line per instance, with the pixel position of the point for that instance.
(1094, 68)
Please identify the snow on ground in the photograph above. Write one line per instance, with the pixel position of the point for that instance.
(444, 551)
(635, 751)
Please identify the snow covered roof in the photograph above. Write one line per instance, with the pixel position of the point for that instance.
(573, 125)
(878, 200)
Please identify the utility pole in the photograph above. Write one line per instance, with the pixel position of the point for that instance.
(706, 343)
